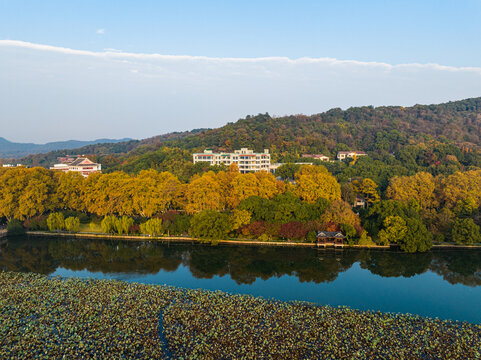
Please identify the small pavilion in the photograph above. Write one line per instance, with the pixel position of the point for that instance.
(334, 238)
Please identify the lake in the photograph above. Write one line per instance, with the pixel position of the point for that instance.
(441, 283)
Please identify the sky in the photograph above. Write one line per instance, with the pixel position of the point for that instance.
(113, 69)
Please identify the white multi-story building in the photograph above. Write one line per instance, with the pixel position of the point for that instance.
(341, 155)
(247, 160)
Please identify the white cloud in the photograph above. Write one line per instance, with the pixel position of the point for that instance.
(112, 50)
(49, 92)
(115, 53)
(100, 31)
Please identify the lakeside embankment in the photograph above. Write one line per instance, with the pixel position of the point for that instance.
(234, 242)
(193, 240)
(73, 318)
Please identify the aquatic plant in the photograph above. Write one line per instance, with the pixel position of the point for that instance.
(43, 317)
(46, 318)
(207, 324)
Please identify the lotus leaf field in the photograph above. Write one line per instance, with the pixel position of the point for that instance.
(42, 317)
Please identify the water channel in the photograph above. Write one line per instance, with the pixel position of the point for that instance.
(441, 283)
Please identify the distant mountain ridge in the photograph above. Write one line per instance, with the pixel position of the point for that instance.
(106, 149)
(13, 150)
(380, 131)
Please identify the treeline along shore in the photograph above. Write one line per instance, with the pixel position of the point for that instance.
(189, 239)
(232, 241)
(413, 212)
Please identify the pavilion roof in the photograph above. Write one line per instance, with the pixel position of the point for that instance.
(330, 234)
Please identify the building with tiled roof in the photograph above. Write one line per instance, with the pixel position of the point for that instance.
(341, 155)
(82, 165)
(316, 156)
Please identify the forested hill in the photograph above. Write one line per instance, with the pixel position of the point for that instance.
(361, 128)
(382, 131)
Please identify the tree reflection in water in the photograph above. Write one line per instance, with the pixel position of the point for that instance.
(244, 264)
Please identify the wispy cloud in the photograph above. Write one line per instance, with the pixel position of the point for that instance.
(100, 31)
(112, 50)
(113, 93)
(114, 53)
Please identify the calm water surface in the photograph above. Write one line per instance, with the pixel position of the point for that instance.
(444, 284)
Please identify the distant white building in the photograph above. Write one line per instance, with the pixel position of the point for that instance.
(11, 165)
(341, 155)
(82, 165)
(247, 160)
(360, 202)
(316, 156)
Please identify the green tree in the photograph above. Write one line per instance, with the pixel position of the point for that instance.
(365, 239)
(417, 238)
(259, 208)
(152, 227)
(108, 224)
(311, 236)
(394, 230)
(55, 221)
(287, 171)
(239, 218)
(465, 231)
(374, 218)
(123, 224)
(72, 224)
(210, 224)
(349, 231)
(15, 227)
(347, 193)
(465, 207)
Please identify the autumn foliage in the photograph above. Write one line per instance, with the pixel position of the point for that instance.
(410, 211)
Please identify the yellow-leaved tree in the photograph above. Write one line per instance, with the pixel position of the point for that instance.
(314, 182)
(108, 194)
(340, 212)
(460, 186)
(244, 186)
(367, 188)
(203, 193)
(70, 190)
(25, 193)
(12, 183)
(420, 187)
(154, 192)
(268, 185)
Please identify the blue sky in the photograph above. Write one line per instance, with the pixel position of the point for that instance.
(445, 32)
(56, 93)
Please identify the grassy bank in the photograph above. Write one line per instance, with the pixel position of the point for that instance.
(43, 317)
